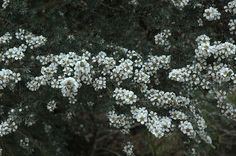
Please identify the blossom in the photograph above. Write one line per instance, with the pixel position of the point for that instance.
(211, 14)
(124, 97)
(69, 87)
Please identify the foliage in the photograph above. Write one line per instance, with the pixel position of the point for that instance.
(116, 77)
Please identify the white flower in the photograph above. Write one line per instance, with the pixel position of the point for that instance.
(5, 38)
(69, 87)
(161, 39)
(8, 126)
(99, 83)
(124, 97)
(211, 14)
(128, 149)
(187, 128)
(180, 4)
(120, 121)
(123, 71)
(5, 4)
(16, 53)
(51, 106)
(140, 114)
(231, 7)
(8, 77)
(232, 26)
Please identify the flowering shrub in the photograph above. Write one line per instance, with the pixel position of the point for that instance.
(69, 87)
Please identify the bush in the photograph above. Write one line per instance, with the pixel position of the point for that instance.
(116, 77)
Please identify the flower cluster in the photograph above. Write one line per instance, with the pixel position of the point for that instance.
(32, 41)
(99, 83)
(180, 4)
(130, 83)
(232, 26)
(51, 106)
(8, 126)
(231, 7)
(97, 71)
(166, 99)
(5, 3)
(140, 114)
(158, 125)
(24, 143)
(187, 128)
(124, 97)
(123, 71)
(162, 39)
(210, 75)
(128, 149)
(225, 106)
(8, 77)
(121, 121)
(211, 14)
(17, 53)
(5, 38)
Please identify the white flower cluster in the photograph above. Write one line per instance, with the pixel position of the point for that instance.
(24, 143)
(128, 149)
(155, 63)
(141, 77)
(99, 83)
(123, 71)
(214, 72)
(8, 77)
(187, 128)
(162, 39)
(36, 83)
(177, 115)
(120, 121)
(83, 71)
(51, 106)
(105, 62)
(69, 88)
(158, 125)
(225, 106)
(8, 126)
(180, 4)
(5, 3)
(15, 53)
(166, 99)
(200, 22)
(210, 75)
(96, 71)
(134, 2)
(232, 26)
(124, 97)
(5, 38)
(211, 14)
(18, 52)
(231, 7)
(140, 114)
(31, 40)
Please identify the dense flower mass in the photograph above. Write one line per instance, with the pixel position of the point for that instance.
(73, 85)
(210, 75)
